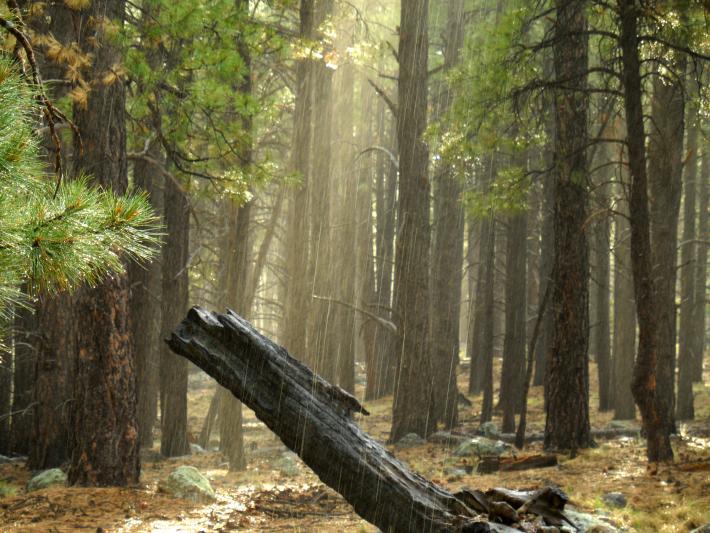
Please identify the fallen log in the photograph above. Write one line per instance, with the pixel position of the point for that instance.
(314, 419)
(490, 464)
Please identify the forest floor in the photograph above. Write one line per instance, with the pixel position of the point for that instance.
(278, 493)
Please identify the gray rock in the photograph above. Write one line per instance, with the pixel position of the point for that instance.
(587, 523)
(48, 478)
(197, 449)
(188, 483)
(288, 464)
(480, 446)
(410, 440)
(614, 499)
(454, 473)
(447, 438)
(702, 529)
(4, 459)
(631, 425)
(489, 429)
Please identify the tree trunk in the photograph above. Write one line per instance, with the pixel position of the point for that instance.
(104, 426)
(145, 306)
(688, 306)
(644, 384)
(297, 298)
(567, 371)
(26, 337)
(5, 399)
(513, 373)
(665, 154)
(314, 418)
(600, 283)
(447, 256)
(624, 348)
(412, 398)
(54, 374)
(701, 268)
(175, 287)
(547, 252)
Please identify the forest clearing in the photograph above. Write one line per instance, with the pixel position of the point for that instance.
(409, 266)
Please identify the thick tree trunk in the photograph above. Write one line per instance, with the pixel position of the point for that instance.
(567, 373)
(447, 256)
(513, 373)
(624, 347)
(104, 426)
(665, 155)
(175, 286)
(314, 418)
(645, 382)
(686, 356)
(412, 395)
(146, 290)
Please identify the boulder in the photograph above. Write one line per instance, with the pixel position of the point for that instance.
(481, 446)
(410, 440)
(587, 523)
(46, 479)
(614, 499)
(489, 429)
(288, 464)
(188, 483)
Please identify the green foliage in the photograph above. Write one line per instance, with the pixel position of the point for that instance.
(54, 238)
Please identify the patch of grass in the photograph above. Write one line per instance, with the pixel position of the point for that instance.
(7, 489)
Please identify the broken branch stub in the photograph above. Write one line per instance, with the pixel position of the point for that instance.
(314, 419)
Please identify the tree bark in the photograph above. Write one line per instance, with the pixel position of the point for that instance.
(104, 426)
(23, 380)
(600, 283)
(567, 372)
(314, 418)
(412, 398)
(699, 330)
(175, 287)
(644, 384)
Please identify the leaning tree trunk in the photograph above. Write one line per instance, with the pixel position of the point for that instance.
(644, 384)
(104, 426)
(567, 373)
(315, 419)
(412, 398)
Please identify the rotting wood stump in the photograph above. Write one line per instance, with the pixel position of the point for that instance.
(314, 419)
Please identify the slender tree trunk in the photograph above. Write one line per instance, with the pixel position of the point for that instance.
(665, 154)
(547, 251)
(567, 373)
(699, 329)
(600, 283)
(175, 284)
(54, 373)
(297, 298)
(412, 395)
(624, 348)
(104, 426)
(686, 357)
(5, 399)
(644, 384)
(146, 289)
(26, 337)
(513, 372)
(447, 256)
